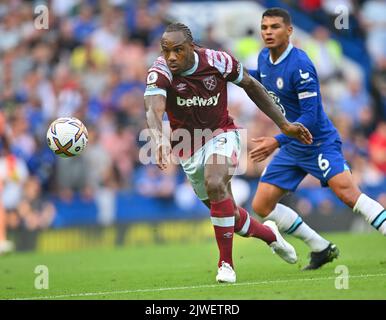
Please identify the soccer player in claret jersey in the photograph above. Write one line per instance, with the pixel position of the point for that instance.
(190, 84)
(290, 77)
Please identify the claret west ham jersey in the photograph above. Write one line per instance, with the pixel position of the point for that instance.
(197, 98)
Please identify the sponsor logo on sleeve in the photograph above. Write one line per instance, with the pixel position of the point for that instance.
(152, 77)
(304, 75)
(306, 94)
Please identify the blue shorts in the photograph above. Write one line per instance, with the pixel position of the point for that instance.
(289, 166)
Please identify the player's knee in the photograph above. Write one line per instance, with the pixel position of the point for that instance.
(215, 187)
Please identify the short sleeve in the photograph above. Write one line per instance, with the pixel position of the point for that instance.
(227, 65)
(158, 79)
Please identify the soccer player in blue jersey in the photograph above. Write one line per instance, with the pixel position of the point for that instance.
(291, 79)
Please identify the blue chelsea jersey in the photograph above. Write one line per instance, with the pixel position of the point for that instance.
(293, 83)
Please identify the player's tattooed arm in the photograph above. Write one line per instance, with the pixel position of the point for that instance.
(260, 96)
(155, 106)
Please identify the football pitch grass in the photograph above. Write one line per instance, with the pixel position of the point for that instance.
(187, 271)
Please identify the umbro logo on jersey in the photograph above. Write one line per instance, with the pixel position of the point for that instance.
(304, 75)
(181, 86)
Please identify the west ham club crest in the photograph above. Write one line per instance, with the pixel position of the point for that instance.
(210, 82)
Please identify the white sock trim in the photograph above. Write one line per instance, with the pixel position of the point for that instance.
(284, 217)
(223, 222)
(245, 227)
(368, 207)
(290, 222)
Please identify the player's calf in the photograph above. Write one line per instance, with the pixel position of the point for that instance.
(223, 220)
(247, 226)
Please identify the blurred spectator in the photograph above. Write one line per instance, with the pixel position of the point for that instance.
(247, 49)
(100, 185)
(6, 246)
(63, 8)
(10, 32)
(84, 24)
(128, 57)
(241, 191)
(326, 54)
(107, 36)
(379, 91)
(35, 212)
(13, 175)
(310, 6)
(120, 143)
(374, 21)
(88, 56)
(377, 147)
(70, 177)
(21, 141)
(210, 41)
(355, 103)
(185, 197)
(153, 183)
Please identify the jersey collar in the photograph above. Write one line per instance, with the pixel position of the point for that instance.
(192, 69)
(283, 55)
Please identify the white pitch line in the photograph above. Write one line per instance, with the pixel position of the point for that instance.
(88, 294)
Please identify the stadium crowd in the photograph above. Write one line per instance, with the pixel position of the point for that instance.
(91, 63)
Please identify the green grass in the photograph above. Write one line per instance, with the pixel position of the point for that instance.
(187, 271)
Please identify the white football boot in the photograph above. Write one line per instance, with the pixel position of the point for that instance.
(226, 273)
(6, 246)
(280, 246)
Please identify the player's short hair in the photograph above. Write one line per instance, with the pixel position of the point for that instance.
(278, 12)
(177, 26)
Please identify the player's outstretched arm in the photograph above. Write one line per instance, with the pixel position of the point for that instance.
(155, 106)
(259, 95)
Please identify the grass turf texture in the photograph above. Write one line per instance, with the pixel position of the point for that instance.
(187, 271)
